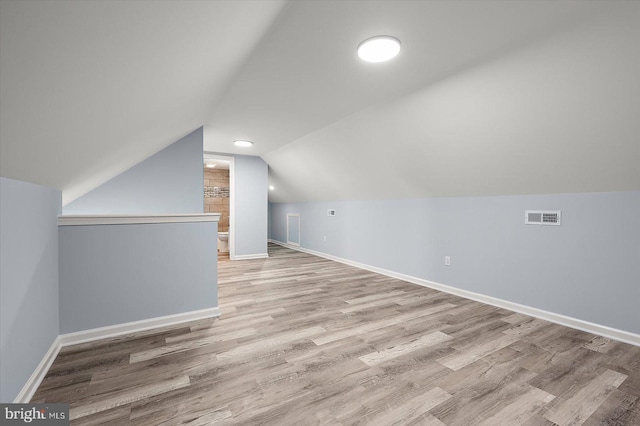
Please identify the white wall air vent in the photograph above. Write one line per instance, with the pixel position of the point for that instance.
(542, 217)
(331, 212)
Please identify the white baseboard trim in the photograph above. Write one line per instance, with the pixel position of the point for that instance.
(250, 256)
(25, 395)
(135, 326)
(601, 330)
(27, 391)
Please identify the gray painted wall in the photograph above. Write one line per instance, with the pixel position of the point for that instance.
(251, 205)
(170, 181)
(293, 229)
(112, 274)
(28, 280)
(587, 268)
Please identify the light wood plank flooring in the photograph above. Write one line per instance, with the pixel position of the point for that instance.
(304, 340)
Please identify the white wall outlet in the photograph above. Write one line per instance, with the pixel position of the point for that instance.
(331, 212)
(447, 261)
(324, 238)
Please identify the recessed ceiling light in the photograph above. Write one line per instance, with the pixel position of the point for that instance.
(271, 188)
(210, 165)
(243, 144)
(379, 48)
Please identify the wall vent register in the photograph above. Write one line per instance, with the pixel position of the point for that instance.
(542, 217)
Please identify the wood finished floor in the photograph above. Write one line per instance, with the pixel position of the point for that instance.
(304, 340)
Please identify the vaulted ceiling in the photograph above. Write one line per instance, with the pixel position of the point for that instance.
(486, 97)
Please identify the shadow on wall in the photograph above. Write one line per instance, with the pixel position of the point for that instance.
(216, 195)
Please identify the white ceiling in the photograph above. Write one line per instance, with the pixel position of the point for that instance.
(216, 161)
(486, 97)
(305, 73)
(91, 88)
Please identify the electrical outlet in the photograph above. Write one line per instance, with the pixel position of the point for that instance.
(447, 261)
(324, 238)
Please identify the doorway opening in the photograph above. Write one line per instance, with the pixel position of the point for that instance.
(219, 197)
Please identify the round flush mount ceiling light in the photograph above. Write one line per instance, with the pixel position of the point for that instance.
(271, 188)
(379, 49)
(243, 143)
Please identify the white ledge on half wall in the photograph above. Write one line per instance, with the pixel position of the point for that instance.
(127, 219)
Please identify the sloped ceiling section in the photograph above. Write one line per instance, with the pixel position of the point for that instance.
(557, 115)
(91, 88)
(486, 97)
(305, 74)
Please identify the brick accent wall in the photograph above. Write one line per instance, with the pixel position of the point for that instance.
(216, 195)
